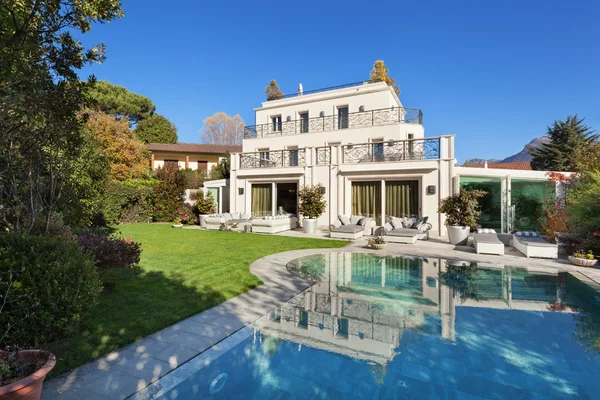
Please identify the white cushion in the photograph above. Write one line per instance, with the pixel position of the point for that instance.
(396, 223)
(354, 219)
(527, 234)
(485, 230)
(344, 220)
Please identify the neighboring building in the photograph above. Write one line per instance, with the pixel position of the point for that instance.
(188, 155)
(368, 151)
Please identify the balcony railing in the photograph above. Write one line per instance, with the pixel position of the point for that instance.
(360, 119)
(323, 155)
(273, 158)
(395, 150)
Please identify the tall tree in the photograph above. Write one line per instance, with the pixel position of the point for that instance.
(273, 92)
(380, 71)
(221, 128)
(120, 102)
(156, 129)
(126, 155)
(41, 137)
(568, 139)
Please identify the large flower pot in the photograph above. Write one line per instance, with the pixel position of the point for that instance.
(30, 387)
(202, 220)
(458, 235)
(582, 262)
(309, 225)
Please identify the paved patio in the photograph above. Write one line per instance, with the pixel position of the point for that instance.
(130, 370)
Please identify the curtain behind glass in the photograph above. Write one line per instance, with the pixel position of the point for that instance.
(366, 199)
(402, 198)
(261, 200)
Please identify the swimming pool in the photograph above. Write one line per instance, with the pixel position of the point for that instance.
(397, 327)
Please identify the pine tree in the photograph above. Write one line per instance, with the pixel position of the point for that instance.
(567, 139)
(272, 91)
(381, 72)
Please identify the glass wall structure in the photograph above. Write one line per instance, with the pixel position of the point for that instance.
(491, 203)
(528, 200)
(366, 199)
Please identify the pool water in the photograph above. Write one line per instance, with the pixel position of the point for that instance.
(396, 327)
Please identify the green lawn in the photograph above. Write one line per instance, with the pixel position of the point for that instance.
(182, 272)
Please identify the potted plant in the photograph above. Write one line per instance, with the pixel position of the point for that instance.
(583, 259)
(376, 243)
(205, 205)
(462, 213)
(312, 206)
(22, 373)
(177, 222)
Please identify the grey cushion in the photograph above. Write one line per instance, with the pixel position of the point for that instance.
(344, 219)
(348, 229)
(402, 232)
(419, 221)
(354, 219)
(362, 221)
(408, 222)
(388, 226)
(227, 217)
(397, 224)
(534, 241)
(486, 238)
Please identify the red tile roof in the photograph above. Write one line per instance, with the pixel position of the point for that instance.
(193, 148)
(520, 165)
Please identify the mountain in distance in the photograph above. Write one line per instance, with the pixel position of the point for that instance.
(522, 156)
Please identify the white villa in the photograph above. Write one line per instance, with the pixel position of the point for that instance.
(373, 159)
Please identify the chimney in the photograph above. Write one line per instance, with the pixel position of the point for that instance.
(485, 164)
(300, 89)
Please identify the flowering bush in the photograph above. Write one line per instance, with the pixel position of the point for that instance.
(582, 254)
(110, 251)
(554, 221)
(185, 215)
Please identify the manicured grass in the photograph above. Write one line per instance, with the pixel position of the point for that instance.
(182, 272)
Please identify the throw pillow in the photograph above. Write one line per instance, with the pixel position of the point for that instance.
(408, 222)
(417, 224)
(527, 234)
(485, 230)
(354, 219)
(344, 219)
(388, 227)
(397, 224)
(362, 221)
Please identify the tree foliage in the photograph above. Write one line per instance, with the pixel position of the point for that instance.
(126, 155)
(156, 129)
(42, 144)
(569, 141)
(312, 203)
(120, 102)
(381, 72)
(221, 128)
(462, 208)
(273, 92)
(221, 170)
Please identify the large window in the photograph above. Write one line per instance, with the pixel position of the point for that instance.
(304, 122)
(402, 198)
(287, 197)
(276, 120)
(262, 200)
(491, 203)
(265, 157)
(528, 202)
(377, 150)
(366, 199)
(342, 117)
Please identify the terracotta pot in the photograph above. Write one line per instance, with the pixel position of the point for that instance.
(582, 262)
(29, 388)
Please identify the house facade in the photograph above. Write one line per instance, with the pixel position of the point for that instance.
(188, 155)
(367, 150)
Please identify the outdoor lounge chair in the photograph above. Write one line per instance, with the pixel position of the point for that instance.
(486, 241)
(352, 227)
(531, 245)
(406, 230)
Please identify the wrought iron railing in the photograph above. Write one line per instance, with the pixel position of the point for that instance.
(323, 155)
(394, 150)
(326, 89)
(360, 119)
(273, 158)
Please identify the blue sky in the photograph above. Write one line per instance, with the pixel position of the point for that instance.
(495, 73)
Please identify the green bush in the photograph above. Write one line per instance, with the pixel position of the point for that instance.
(205, 204)
(127, 201)
(462, 208)
(312, 204)
(169, 193)
(49, 283)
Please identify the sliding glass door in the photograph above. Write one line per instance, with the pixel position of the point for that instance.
(262, 200)
(402, 198)
(366, 199)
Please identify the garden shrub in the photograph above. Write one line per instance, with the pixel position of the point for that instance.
(50, 285)
(169, 192)
(193, 179)
(127, 201)
(205, 204)
(110, 251)
(583, 213)
(462, 208)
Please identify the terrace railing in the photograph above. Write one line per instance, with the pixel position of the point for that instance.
(326, 89)
(394, 150)
(323, 155)
(273, 158)
(360, 119)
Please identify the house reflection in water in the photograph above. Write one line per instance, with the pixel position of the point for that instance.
(362, 304)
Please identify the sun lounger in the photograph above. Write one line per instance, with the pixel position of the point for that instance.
(486, 242)
(531, 245)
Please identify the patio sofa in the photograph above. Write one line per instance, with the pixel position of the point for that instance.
(486, 241)
(351, 227)
(532, 245)
(214, 221)
(274, 224)
(406, 230)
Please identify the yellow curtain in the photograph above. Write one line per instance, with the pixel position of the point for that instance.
(261, 200)
(402, 198)
(366, 199)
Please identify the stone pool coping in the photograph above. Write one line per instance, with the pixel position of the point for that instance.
(158, 362)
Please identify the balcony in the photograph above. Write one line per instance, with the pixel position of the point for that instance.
(393, 150)
(273, 158)
(327, 123)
